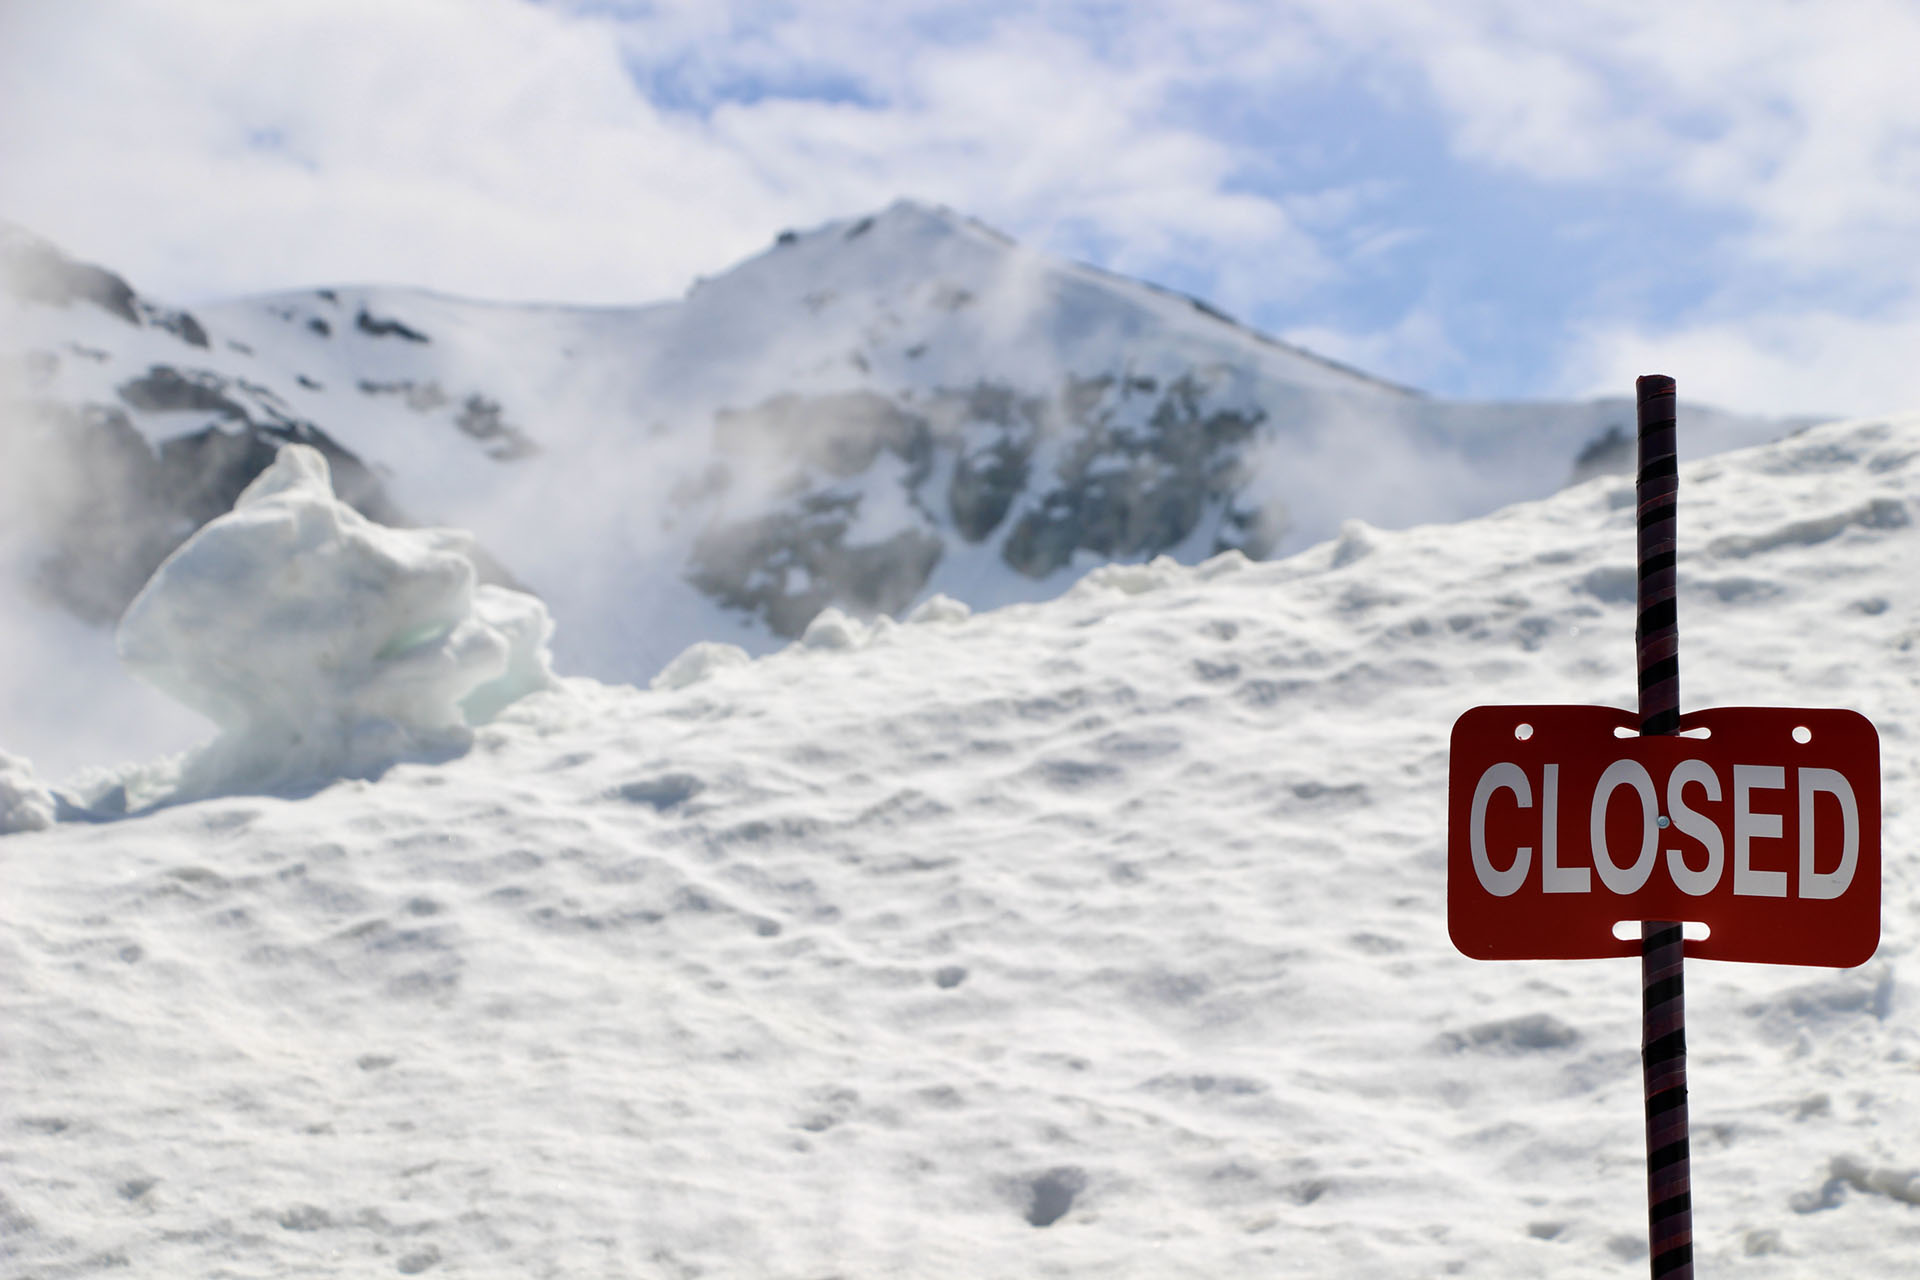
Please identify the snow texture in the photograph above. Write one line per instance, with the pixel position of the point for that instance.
(324, 645)
(1104, 937)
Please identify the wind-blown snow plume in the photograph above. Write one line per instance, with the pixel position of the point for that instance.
(325, 645)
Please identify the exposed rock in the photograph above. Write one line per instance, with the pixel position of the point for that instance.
(986, 482)
(96, 499)
(208, 469)
(788, 566)
(990, 473)
(179, 323)
(1128, 491)
(163, 389)
(382, 328)
(1608, 454)
(108, 508)
(421, 397)
(34, 271)
(1254, 531)
(480, 418)
(1141, 464)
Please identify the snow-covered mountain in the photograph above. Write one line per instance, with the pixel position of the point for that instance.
(1100, 937)
(864, 415)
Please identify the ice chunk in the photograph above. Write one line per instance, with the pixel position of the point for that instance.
(25, 805)
(523, 620)
(325, 645)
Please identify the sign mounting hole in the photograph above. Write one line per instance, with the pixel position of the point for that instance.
(1523, 731)
(1694, 930)
(1802, 734)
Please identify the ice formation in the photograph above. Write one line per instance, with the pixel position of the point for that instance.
(25, 805)
(324, 645)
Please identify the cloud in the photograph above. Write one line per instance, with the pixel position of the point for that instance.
(1527, 180)
(1804, 362)
(1795, 121)
(1417, 346)
(486, 147)
(503, 149)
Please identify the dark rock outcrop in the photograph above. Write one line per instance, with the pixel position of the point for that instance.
(1131, 491)
(107, 507)
(788, 566)
(164, 389)
(1138, 467)
(97, 503)
(1610, 453)
(377, 327)
(478, 418)
(34, 271)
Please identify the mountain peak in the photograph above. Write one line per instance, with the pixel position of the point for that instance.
(905, 217)
(867, 413)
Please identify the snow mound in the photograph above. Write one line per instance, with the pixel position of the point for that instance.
(697, 663)
(835, 632)
(940, 610)
(324, 645)
(25, 805)
(832, 629)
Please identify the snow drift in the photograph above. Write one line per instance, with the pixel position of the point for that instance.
(324, 645)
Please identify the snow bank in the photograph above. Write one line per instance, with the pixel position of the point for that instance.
(325, 645)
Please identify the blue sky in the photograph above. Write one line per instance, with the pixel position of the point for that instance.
(1482, 198)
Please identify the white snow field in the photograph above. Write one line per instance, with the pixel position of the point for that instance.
(1100, 937)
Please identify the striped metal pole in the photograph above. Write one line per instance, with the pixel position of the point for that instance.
(1663, 1018)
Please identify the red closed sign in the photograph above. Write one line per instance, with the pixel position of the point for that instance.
(1761, 822)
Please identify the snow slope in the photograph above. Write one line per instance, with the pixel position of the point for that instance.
(1098, 937)
(865, 415)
